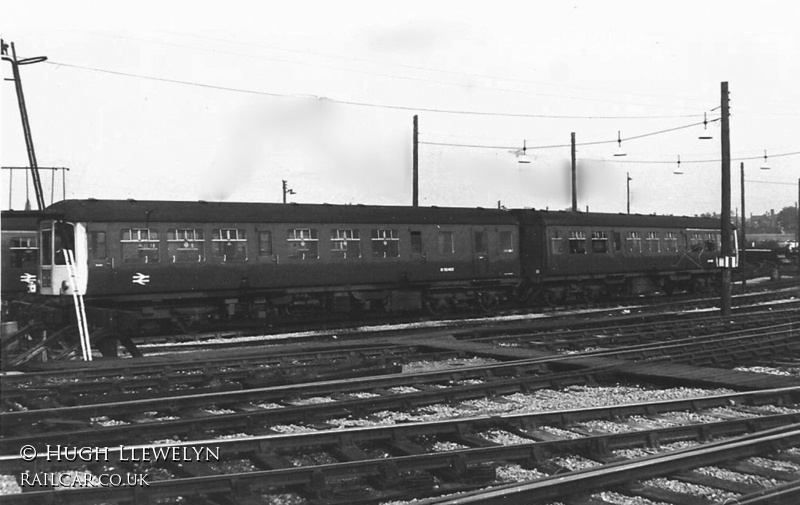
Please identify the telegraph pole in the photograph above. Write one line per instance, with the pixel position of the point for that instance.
(727, 253)
(743, 254)
(415, 179)
(574, 177)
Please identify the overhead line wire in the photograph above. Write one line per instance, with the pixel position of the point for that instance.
(772, 182)
(672, 162)
(346, 102)
(554, 146)
(429, 69)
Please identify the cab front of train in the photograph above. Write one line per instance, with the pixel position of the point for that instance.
(63, 268)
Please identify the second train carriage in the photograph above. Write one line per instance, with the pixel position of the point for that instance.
(189, 260)
(594, 254)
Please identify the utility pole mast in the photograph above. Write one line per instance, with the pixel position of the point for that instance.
(743, 234)
(26, 127)
(415, 177)
(727, 250)
(574, 177)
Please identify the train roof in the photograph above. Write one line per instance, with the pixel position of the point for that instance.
(185, 211)
(24, 218)
(564, 218)
(93, 210)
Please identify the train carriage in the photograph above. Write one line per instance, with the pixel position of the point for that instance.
(592, 254)
(188, 258)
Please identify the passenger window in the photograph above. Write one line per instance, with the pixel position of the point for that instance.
(599, 242)
(385, 244)
(446, 242)
(670, 242)
(185, 245)
(577, 242)
(98, 249)
(634, 241)
(652, 242)
(506, 241)
(24, 252)
(229, 244)
(140, 245)
(303, 243)
(345, 244)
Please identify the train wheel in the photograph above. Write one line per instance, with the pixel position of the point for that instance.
(435, 306)
(589, 296)
(488, 301)
(552, 298)
(699, 286)
(669, 287)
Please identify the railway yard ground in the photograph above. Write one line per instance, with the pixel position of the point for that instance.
(629, 404)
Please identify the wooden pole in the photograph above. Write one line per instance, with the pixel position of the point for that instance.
(415, 182)
(725, 225)
(574, 177)
(743, 245)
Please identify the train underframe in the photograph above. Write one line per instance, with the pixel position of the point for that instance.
(48, 330)
(589, 289)
(268, 307)
(46, 327)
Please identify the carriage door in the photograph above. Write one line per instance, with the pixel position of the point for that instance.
(99, 259)
(480, 251)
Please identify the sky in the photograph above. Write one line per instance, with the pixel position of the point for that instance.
(222, 101)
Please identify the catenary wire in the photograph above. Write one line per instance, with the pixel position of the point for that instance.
(342, 102)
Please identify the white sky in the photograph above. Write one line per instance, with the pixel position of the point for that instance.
(634, 67)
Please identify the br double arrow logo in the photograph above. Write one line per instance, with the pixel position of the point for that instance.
(27, 278)
(141, 279)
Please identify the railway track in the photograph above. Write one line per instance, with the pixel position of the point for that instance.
(696, 338)
(575, 316)
(429, 413)
(369, 464)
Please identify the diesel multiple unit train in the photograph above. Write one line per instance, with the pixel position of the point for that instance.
(187, 263)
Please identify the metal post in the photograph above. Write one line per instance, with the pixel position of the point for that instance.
(725, 302)
(574, 177)
(26, 127)
(52, 183)
(743, 255)
(284, 190)
(415, 181)
(628, 176)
